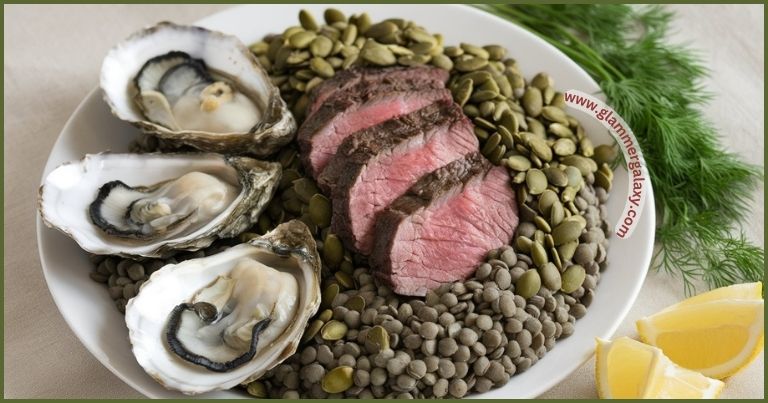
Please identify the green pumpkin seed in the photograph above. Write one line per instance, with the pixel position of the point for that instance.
(274, 46)
(301, 40)
(573, 278)
(523, 244)
(355, 303)
(349, 61)
(532, 101)
(587, 149)
(574, 177)
(554, 114)
(505, 88)
(331, 32)
(481, 134)
(311, 330)
(349, 35)
(542, 224)
(398, 50)
(539, 254)
(281, 58)
(336, 62)
(563, 147)
(566, 231)
(344, 279)
(497, 154)
(556, 213)
(321, 67)
(325, 315)
(333, 251)
(480, 122)
(257, 390)
(568, 194)
(555, 176)
(548, 94)
(305, 188)
(556, 258)
(337, 380)
(290, 31)
(548, 241)
(540, 148)
(602, 180)
(535, 127)
(528, 284)
(297, 58)
(472, 111)
(499, 109)
(308, 21)
(478, 77)
(333, 330)
(311, 84)
(413, 60)
(550, 277)
(442, 61)
(542, 81)
(486, 109)
(519, 178)
(377, 54)
(495, 52)
(491, 144)
(536, 181)
(560, 130)
(522, 192)
(304, 74)
(604, 154)
(470, 64)
(259, 48)
(474, 50)
(453, 51)
(506, 137)
(583, 164)
(509, 121)
(329, 294)
(418, 35)
(547, 199)
(378, 337)
(463, 91)
(333, 15)
(381, 29)
(483, 95)
(567, 250)
(607, 171)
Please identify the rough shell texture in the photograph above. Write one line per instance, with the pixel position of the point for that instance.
(289, 248)
(68, 190)
(223, 53)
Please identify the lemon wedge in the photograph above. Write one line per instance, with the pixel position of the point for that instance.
(736, 291)
(628, 369)
(716, 337)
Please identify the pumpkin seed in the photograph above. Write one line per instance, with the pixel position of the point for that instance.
(442, 61)
(532, 101)
(574, 177)
(344, 279)
(583, 164)
(337, 380)
(523, 244)
(377, 54)
(506, 137)
(587, 149)
(483, 95)
(519, 178)
(470, 64)
(556, 213)
(496, 155)
(573, 278)
(380, 29)
(560, 130)
(413, 60)
(546, 200)
(333, 330)
(474, 50)
(568, 194)
(301, 40)
(420, 36)
(478, 77)
(257, 388)
(355, 303)
(542, 81)
(463, 91)
(311, 84)
(602, 180)
(567, 250)
(547, 94)
(486, 109)
(566, 231)
(311, 330)
(528, 284)
(604, 154)
(550, 276)
(398, 50)
(607, 171)
(555, 176)
(329, 294)
(378, 337)
(363, 22)
(307, 21)
(481, 134)
(563, 147)
(536, 181)
(539, 254)
(495, 52)
(333, 251)
(484, 123)
(325, 316)
(259, 48)
(290, 31)
(321, 67)
(556, 257)
(333, 15)
(542, 224)
(554, 114)
(509, 121)
(540, 148)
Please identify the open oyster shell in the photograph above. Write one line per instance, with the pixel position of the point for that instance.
(217, 75)
(100, 201)
(216, 322)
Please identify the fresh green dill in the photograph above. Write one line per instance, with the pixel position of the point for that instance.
(702, 192)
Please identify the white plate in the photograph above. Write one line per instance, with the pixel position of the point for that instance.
(91, 315)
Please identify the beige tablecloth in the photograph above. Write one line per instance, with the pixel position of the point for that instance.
(52, 60)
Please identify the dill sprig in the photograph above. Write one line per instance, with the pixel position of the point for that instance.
(702, 191)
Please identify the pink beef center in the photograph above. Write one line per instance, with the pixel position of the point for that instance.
(396, 170)
(446, 242)
(362, 117)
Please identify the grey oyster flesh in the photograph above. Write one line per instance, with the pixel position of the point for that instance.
(180, 93)
(220, 328)
(163, 209)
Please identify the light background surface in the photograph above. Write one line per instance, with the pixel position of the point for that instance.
(52, 58)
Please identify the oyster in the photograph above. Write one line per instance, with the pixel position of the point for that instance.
(216, 322)
(153, 204)
(191, 86)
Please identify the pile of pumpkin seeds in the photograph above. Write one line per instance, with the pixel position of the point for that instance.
(464, 337)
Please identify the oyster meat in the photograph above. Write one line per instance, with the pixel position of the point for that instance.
(191, 86)
(216, 322)
(153, 204)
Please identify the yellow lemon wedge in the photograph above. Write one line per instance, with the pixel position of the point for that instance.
(736, 291)
(717, 338)
(628, 369)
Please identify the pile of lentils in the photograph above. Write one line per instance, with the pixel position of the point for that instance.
(464, 337)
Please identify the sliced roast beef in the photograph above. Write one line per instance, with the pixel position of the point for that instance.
(444, 225)
(375, 166)
(321, 134)
(344, 81)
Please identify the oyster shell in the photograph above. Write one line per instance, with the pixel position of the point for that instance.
(153, 204)
(216, 322)
(192, 86)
